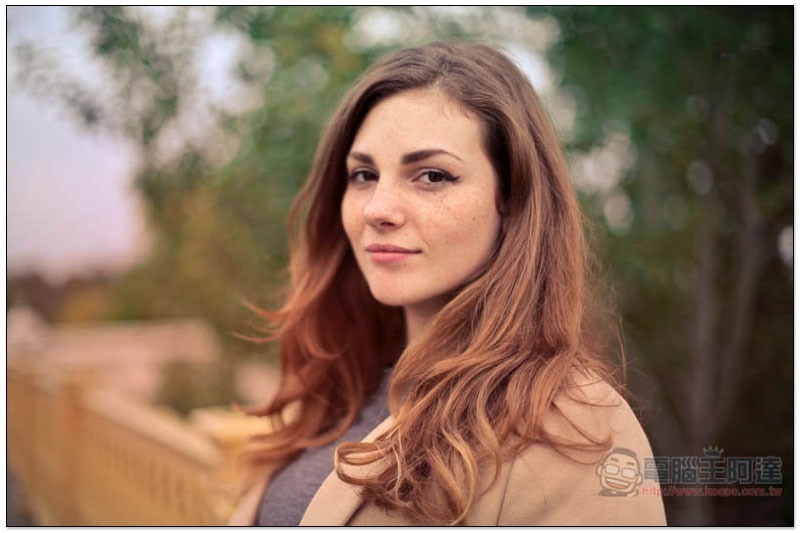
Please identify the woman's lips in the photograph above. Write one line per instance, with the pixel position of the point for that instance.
(389, 253)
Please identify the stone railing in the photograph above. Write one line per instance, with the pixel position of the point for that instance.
(88, 456)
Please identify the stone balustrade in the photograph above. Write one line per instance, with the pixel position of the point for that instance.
(88, 456)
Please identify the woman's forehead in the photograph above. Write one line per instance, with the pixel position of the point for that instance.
(419, 119)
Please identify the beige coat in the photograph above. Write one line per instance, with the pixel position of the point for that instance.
(538, 487)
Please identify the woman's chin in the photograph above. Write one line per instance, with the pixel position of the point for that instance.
(391, 297)
(391, 301)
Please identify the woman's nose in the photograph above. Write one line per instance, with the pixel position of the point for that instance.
(384, 208)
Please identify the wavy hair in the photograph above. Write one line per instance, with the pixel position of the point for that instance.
(473, 389)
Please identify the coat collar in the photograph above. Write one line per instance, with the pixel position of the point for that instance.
(335, 501)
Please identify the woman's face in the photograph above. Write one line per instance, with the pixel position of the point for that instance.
(419, 208)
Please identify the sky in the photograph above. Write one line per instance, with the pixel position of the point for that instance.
(70, 207)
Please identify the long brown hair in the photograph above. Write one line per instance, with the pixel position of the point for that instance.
(474, 387)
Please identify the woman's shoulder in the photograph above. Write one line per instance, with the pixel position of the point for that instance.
(587, 407)
(565, 481)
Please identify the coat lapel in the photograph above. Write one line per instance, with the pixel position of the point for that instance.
(335, 501)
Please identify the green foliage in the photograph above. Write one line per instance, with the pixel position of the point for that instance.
(219, 231)
(186, 386)
(705, 96)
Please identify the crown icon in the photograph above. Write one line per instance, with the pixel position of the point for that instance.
(713, 451)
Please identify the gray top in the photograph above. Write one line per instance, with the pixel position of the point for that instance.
(292, 488)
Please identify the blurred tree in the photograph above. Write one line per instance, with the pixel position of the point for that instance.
(87, 303)
(217, 227)
(704, 96)
(186, 386)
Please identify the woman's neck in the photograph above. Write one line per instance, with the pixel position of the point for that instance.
(418, 316)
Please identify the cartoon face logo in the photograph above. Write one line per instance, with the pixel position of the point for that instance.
(619, 473)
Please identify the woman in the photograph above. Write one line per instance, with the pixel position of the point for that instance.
(436, 367)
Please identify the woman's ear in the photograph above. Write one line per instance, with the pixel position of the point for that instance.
(502, 209)
(501, 193)
(501, 205)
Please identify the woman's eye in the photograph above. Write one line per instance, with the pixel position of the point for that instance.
(437, 176)
(361, 176)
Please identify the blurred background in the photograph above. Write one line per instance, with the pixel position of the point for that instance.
(153, 153)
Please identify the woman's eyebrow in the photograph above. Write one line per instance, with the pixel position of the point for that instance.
(364, 158)
(411, 157)
(421, 155)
